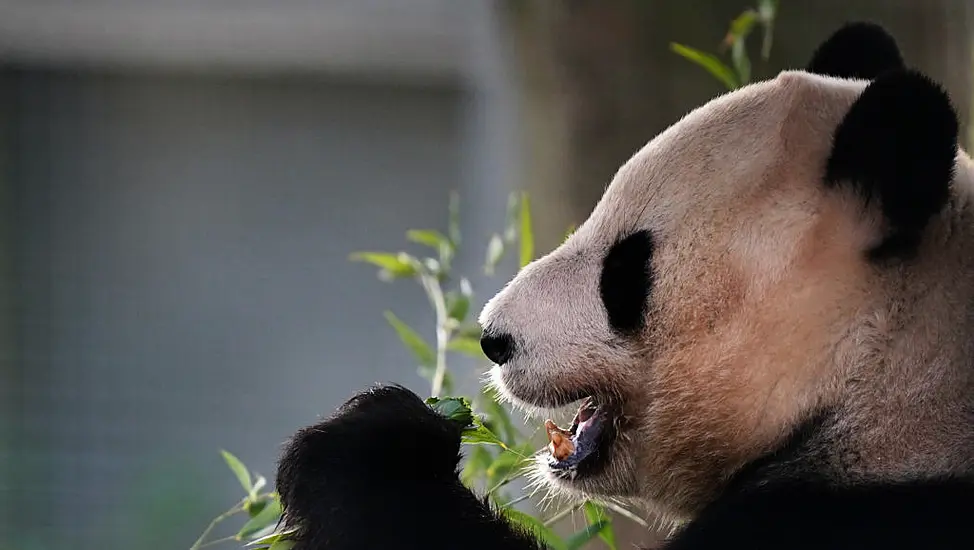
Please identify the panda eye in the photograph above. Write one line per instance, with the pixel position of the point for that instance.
(626, 281)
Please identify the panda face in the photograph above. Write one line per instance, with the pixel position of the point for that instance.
(718, 295)
(682, 305)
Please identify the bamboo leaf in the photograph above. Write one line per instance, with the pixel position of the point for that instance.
(495, 251)
(238, 468)
(489, 403)
(268, 516)
(511, 218)
(709, 62)
(429, 237)
(534, 526)
(456, 409)
(767, 11)
(595, 513)
(741, 62)
(466, 346)
(413, 341)
(742, 25)
(583, 537)
(526, 234)
(392, 266)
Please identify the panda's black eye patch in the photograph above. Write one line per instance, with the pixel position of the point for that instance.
(626, 280)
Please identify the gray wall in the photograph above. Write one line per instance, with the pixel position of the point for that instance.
(182, 285)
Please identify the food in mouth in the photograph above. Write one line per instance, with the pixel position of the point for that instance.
(559, 441)
(569, 448)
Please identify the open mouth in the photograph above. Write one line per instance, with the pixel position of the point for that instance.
(583, 448)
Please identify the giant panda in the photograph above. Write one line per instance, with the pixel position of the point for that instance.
(767, 321)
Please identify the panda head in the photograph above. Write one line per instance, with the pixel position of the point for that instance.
(753, 267)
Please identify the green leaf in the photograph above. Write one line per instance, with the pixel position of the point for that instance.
(470, 330)
(583, 537)
(739, 30)
(458, 303)
(435, 268)
(243, 476)
(259, 484)
(391, 266)
(741, 62)
(282, 544)
(594, 514)
(767, 10)
(271, 538)
(505, 468)
(413, 341)
(263, 534)
(456, 409)
(533, 525)
(511, 218)
(709, 62)
(478, 434)
(435, 240)
(495, 251)
(270, 515)
(254, 507)
(741, 26)
(430, 237)
(489, 403)
(466, 346)
(478, 460)
(266, 540)
(527, 236)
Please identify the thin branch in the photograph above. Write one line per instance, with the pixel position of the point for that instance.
(219, 541)
(626, 513)
(435, 294)
(236, 509)
(562, 514)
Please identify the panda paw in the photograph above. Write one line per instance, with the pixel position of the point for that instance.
(383, 433)
(381, 438)
(380, 473)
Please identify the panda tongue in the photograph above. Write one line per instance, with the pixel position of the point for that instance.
(585, 412)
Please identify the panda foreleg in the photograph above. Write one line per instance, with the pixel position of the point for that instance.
(382, 473)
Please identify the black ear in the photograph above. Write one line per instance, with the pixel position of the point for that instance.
(857, 50)
(897, 146)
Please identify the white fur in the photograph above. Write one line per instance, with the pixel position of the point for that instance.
(763, 308)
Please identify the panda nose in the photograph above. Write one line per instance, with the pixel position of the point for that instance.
(497, 346)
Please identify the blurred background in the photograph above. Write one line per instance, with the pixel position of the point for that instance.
(183, 182)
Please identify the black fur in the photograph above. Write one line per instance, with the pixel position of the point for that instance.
(381, 474)
(798, 515)
(857, 50)
(896, 146)
(626, 280)
(789, 499)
